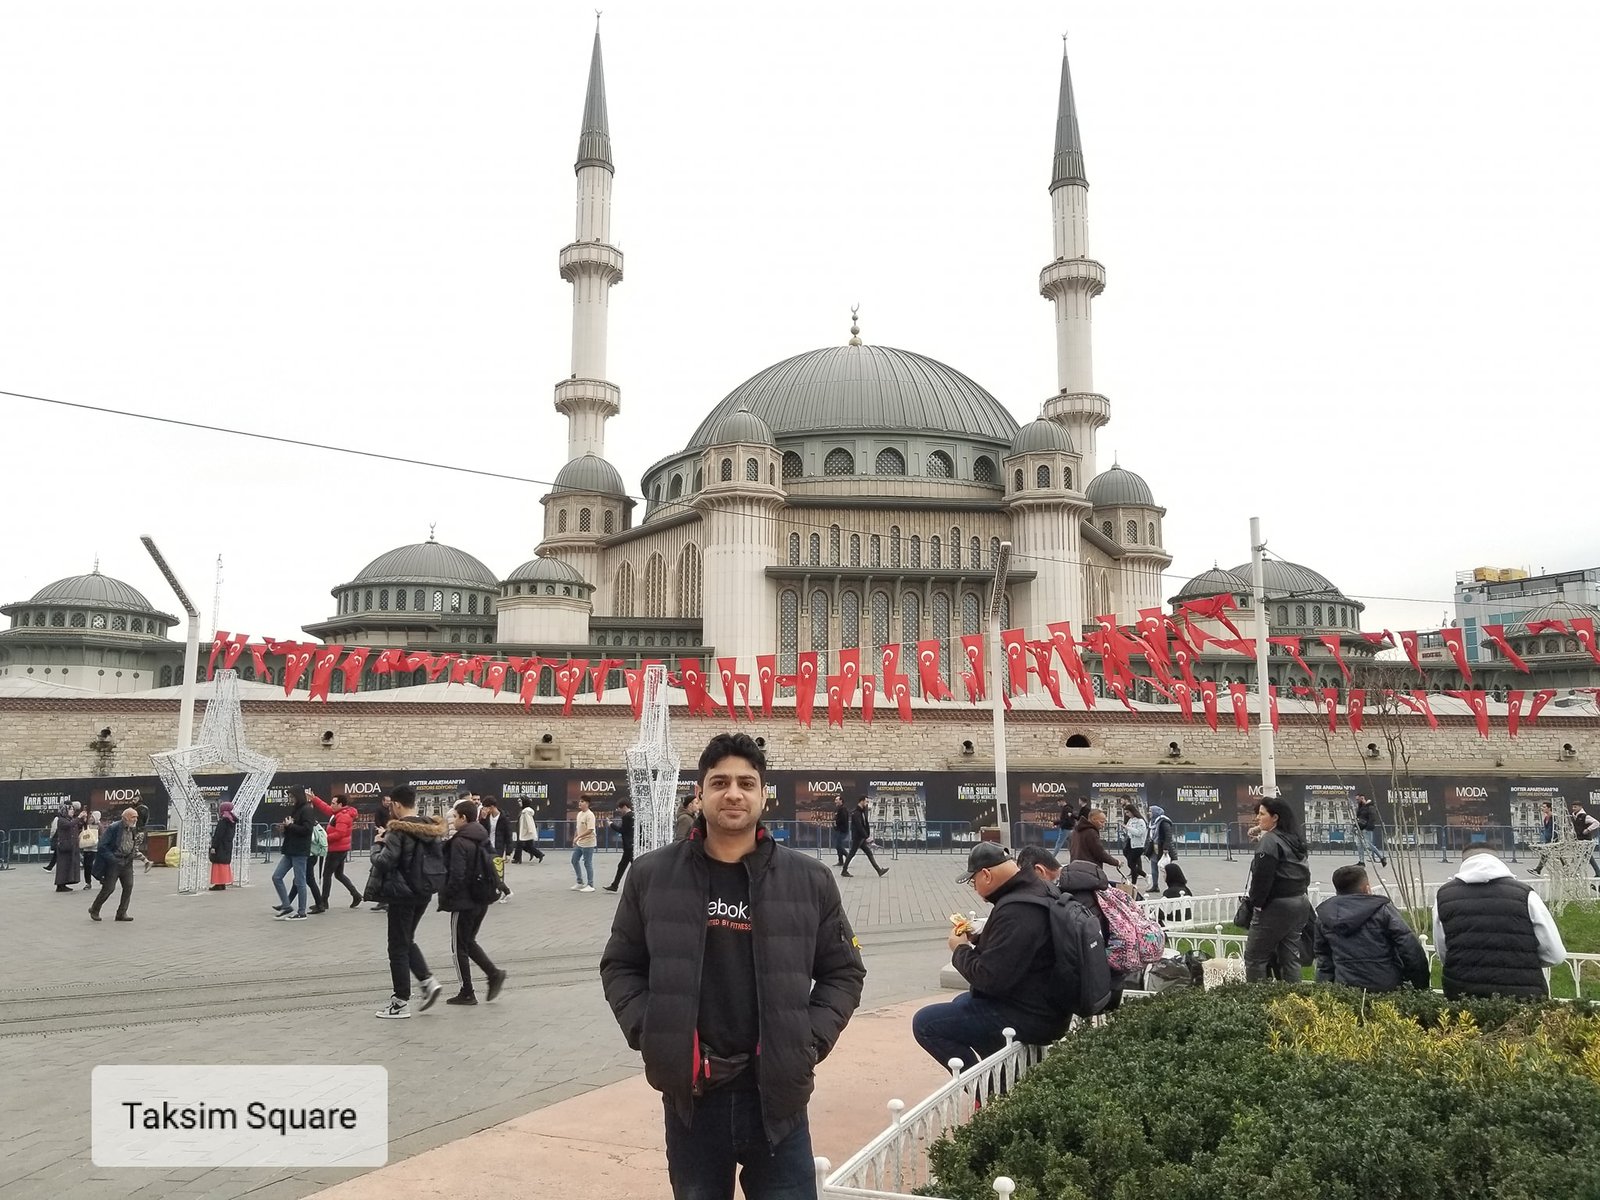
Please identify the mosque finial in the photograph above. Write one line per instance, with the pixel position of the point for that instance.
(432, 525)
(96, 570)
(855, 325)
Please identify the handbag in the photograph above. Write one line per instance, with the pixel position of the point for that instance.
(1242, 914)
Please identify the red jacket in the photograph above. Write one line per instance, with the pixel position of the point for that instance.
(340, 822)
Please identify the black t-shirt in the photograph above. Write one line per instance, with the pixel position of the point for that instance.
(729, 1021)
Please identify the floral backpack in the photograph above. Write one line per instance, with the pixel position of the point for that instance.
(1136, 938)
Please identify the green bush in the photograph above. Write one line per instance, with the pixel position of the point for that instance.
(1185, 1097)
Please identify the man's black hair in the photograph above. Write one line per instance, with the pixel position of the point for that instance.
(1347, 880)
(404, 795)
(733, 745)
(624, 803)
(1037, 856)
(467, 809)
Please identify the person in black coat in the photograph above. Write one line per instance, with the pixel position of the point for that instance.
(222, 847)
(1280, 912)
(861, 839)
(1361, 940)
(464, 862)
(622, 824)
(841, 831)
(698, 923)
(296, 854)
(498, 826)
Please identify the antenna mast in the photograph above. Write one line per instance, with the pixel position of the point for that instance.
(216, 601)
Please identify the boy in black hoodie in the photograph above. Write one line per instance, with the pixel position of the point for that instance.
(1361, 940)
(468, 858)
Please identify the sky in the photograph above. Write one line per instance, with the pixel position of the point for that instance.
(1350, 255)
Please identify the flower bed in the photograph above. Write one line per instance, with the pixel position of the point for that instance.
(1280, 1093)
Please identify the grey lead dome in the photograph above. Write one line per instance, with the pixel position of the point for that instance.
(1042, 436)
(546, 570)
(1118, 486)
(94, 590)
(589, 473)
(742, 425)
(428, 562)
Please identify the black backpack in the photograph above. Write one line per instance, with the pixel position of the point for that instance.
(425, 869)
(1081, 982)
(484, 885)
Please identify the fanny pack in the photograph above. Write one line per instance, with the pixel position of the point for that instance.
(713, 1071)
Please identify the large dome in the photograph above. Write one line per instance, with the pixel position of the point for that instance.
(93, 590)
(1289, 581)
(1214, 582)
(1119, 486)
(428, 562)
(1560, 610)
(840, 388)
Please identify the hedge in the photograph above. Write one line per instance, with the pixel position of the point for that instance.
(1270, 1092)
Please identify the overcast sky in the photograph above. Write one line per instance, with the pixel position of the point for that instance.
(1351, 255)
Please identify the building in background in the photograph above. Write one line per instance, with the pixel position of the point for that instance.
(1506, 595)
(90, 631)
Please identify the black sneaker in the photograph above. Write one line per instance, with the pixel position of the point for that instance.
(463, 998)
(496, 982)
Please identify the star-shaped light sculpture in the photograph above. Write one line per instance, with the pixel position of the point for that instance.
(653, 766)
(1566, 866)
(221, 743)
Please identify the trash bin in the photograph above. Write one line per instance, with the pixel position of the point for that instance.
(157, 843)
(989, 833)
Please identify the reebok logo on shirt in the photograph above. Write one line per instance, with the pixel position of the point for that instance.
(730, 912)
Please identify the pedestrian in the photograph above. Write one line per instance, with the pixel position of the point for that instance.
(380, 822)
(1086, 846)
(528, 833)
(141, 831)
(471, 885)
(1278, 909)
(1363, 942)
(1041, 862)
(114, 863)
(1547, 834)
(1493, 934)
(1160, 846)
(841, 831)
(401, 880)
(1587, 829)
(1368, 838)
(341, 816)
(1177, 888)
(50, 837)
(295, 835)
(1064, 824)
(64, 846)
(1135, 832)
(221, 854)
(622, 825)
(498, 826)
(688, 813)
(861, 839)
(88, 843)
(583, 843)
(734, 1058)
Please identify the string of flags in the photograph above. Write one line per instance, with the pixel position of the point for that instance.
(1169, 647)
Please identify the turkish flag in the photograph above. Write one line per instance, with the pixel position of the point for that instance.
(387, 662)
(494, 678)
(475, 668)
(694, 687)
(767, 676)
(634, 678)
(1067, 650)
(533, 666)
(836, 700)
(296, 658)
(971, 684)
(1042, 653)
(436, 666)
(530, 682)
(1540, 698)
(1356, 704)
(805, 688)
(972, 647)
(322, 672)
(1245, 646)
(1408, 639)
(1272, 703)
(1015, 645)
(1548, 627)
(850, 673)
(1185, 699)
(1455, 641)
(416, 662)
(218, 641)
(933, 685)
(1212, 608)
(1208, 702)
(1241, 706)
(1497, 635)
(902, 696)
(459, 669)
(354, 663)
(1417, 702)
(1187, 658)
(726, 667)
(1513, 711)
(1303, 693)
(741, 687)
(1331, 641)
(1292, 645)
(1153, 630)
(231, 652)
(569, 678)
(869, 692)
(1583, 630)
(258, 659)
(1330, 700)
(1378, 639)
(889, 660)
(599, 673)
(1478, 702)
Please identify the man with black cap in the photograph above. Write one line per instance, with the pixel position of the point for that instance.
(1009, 974)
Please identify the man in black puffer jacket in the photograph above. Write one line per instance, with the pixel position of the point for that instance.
(1361, 940)
(732, 969)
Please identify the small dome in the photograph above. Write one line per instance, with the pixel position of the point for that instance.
(1562, 610)
(1042, 436)
(428, 562)
(1290, 581)
(546, 570)
(1215, 582)
(1117, 486)
(590, 473)
(94, 590)
(742, 425)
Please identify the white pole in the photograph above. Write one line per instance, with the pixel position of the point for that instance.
(191, 650)
(1258, 593)
(997, 699)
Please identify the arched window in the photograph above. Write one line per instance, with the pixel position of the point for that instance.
(699, 479)
(983, 469)
(1016, 480)
(874, 551)
(366, 603)
(833, 545)
(138, 625)
(622, 593)
(994, 553)
(976, 550)
(455, 602)
(383, 600)
(772, 475)
(788, 630)
(655, 495)
(99, 621)
(1151, 531)
(120, 622)
(910, 632)
(400, 599)
(814, 550)
(793, 467)
(1066, 478)
(561, 521)
(1316, 614)
(819, 622)
(418, 599)
(689, 581)
(840, 462)
(438, 602)
(894, 545)
(955, 546)
(1105, 528)
(1132, 531)
(675, 488)
(655, 587)
(1041, 477)
(970, 613)
(585, 520)
(610, 521)
(752, 471)
(855, 549)
(940, 466)
(1299, 614)
(850, 621)
(725, 472)
(794, 549)
(935, 552)
(166, 676)
(941, 630)
(889, 462)
(880, 625)
(77, 621)
(1283, 614)
(916, 551)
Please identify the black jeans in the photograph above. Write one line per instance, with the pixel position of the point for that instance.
(726, 1134)
(333, 868)
(1272, 949)
(121, 872)
(622, 865)
(972, 1028)
(532, 849)
(464, 926)
(1135, 859)
(88, 861)
(860, 847)
(405, 960)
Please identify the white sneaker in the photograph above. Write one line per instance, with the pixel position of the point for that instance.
(396, 1010)
(588, 887)
(507, 894)
(577, 887)
(431, 988)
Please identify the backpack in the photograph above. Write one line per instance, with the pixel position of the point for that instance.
(319, 841)
(1136, 937)
(425, 869)
(484, 885)
(1080, 982)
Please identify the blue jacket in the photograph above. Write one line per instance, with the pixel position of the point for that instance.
(106, 852)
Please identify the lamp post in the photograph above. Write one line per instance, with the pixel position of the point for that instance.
(1258, 595)
(997, 700)
(191, 649)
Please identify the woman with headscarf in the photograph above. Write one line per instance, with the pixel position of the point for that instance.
(89, 845)
(1278, 908)
(222, 847)
(64, 843)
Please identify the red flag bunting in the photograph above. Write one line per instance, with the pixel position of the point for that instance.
(836, 700)
(326, 657)
(1335, 648)
(1497, 635)
(1356, 706)
(1477, 701)
(767, 677)
(805, 688)
(1455, 641)
(902, 696)
(849, 674)
(1272, 703)
(1185, 698)
(599, 673)
(1330, 701)
(1241, 706)
(933, 685)
(1513, 711)
(353, 665)
(1292, 646)
(1548, 627)
(1408, 639)
(694, 687)
(1540, 698)
(1067, 650)
(1208, 702)
(634, 678)
(1015, 645)
(726, 667)
(972, 647)
(1583, 630)
(494, 676)
(869, 689)
(218, 641)
(1042, 653)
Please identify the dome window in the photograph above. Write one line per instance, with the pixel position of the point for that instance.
(417, 600)
(1299, 614)
(955, 545)
(1041, 477)
(1316, 614)
(675, 488)
(610, 522)
(438, 602)
(994, 552)
(935, 552)
(99, 621)
(874, 551)
(1105, 528)
(726, 472)
(1133, 532)
(138, 625)
(752, 471)
(916, 551)
(793, 468)
(561, 521)
(1016, 480)
(21, 620)
(367, 601)
(1066, 478)
(772, 475)
(855, 549)
(400, 600)
(622, 597)
(840, 462)
(1283, 614)
(940, 466)
(383, 600)
(814, 554)
(699, 479)
(472, 606)
(585, 520)
(983, 469)
(77, 621)
(455, 602)
(889, 462)
(166, 676)
(794, 549)
(894, 545)
(977, 557)
(1151, 530)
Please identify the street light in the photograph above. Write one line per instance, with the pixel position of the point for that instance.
(997, 700)
(191, 650)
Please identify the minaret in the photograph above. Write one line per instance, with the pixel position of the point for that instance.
(1072, 282)
(591, 264)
